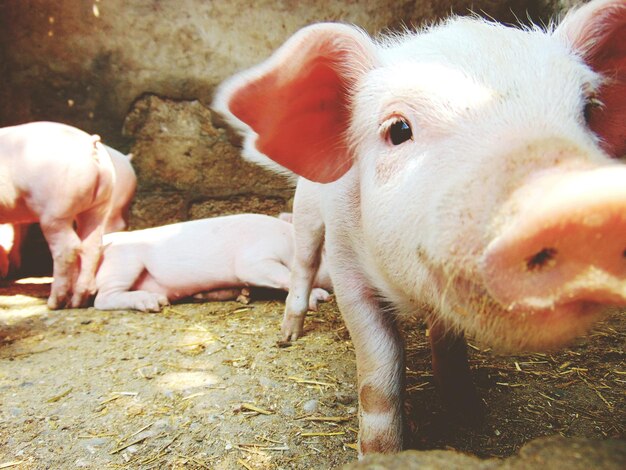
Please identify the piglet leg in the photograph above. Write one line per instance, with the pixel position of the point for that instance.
(378, 348)
(308, 242)
(119, 272)
(90, 228)
(379, 361)
(65, 249)
(318, 295)
(452, 373)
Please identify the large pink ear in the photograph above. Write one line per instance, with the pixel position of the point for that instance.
(597, 31)
(295, 106)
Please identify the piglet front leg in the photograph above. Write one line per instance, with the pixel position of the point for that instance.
(6, 244)
(378, 349)
(379, 361)
(308, 241)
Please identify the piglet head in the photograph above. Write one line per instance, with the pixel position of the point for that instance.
(480, 159)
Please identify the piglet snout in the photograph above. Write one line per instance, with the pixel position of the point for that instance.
(563, 242)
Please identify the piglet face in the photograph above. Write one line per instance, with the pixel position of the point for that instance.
(481, 157)
(456, 147)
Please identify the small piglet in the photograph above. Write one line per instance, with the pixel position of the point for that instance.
(144, 269)
(12, 235)
(58, 175)
(467, 176)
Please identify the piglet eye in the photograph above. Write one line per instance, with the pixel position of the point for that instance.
(591, 105)
(399, 132)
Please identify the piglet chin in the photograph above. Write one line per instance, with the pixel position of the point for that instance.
(547, 328)
(547, 321)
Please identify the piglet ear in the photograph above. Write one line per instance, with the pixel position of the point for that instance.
(295, 107)
(597, 32)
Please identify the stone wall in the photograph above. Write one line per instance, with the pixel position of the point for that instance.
(141, 73)
(189, 169)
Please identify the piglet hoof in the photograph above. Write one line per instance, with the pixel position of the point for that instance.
(317, 295)
(292, 326)
(59, 298)
(53, 303)
(150, 302)
(80, 298)
(244, 296)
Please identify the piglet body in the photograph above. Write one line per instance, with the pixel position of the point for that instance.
(144, 269)
(465, 173)
(58, 175)
(12, 235)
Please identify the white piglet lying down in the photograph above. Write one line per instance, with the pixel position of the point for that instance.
(145, 269)
(468, 178)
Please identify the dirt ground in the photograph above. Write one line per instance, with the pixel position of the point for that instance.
(207, 386)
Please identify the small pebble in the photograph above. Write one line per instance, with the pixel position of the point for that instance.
(344, 398)
(311, 406)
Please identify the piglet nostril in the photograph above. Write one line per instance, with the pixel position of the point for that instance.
(624, 253)
(542, 259)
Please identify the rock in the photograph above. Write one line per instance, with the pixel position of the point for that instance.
(91, 445)
(150, 209)
(177, 148)
(188, 169)
(570, 453)
(554, 452)
(419, 460)
(238, 204)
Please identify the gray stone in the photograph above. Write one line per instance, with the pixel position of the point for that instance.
(188, 169)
